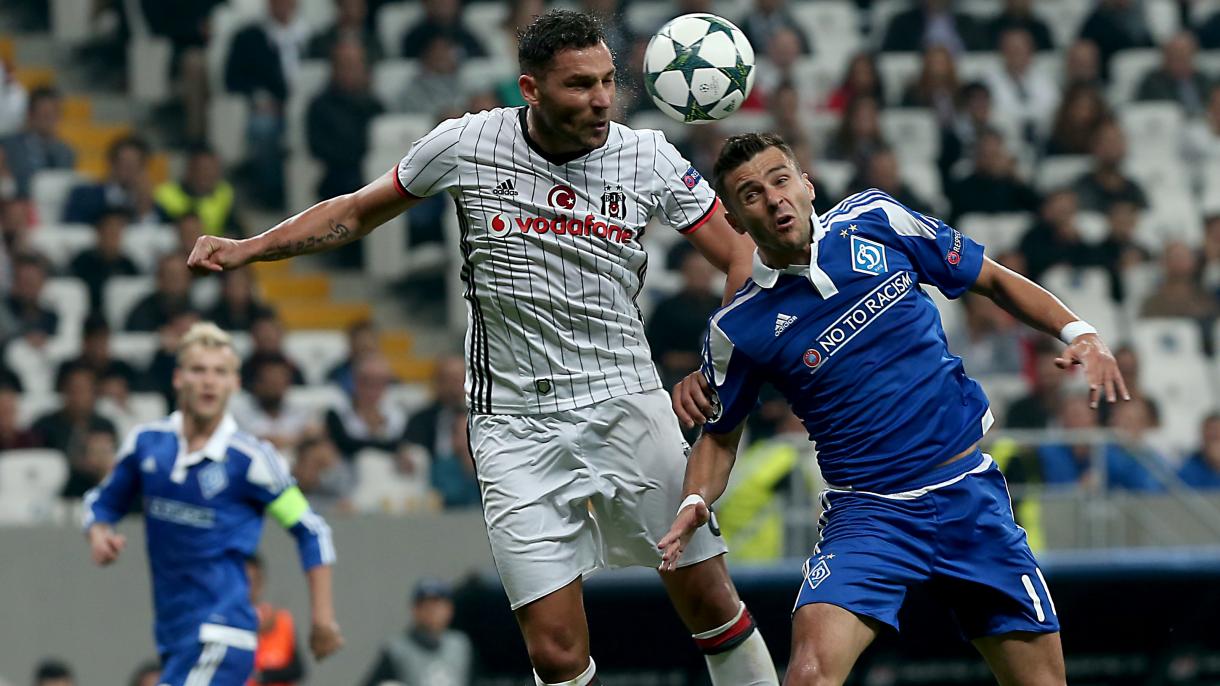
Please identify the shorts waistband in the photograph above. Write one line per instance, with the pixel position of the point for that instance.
(984, 464)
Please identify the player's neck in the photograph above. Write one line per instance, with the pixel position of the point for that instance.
(198, 430)
(547, 141)
(782, 259)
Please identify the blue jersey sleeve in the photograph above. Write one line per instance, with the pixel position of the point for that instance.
(733, 377)
(110, 500)
(271, 486)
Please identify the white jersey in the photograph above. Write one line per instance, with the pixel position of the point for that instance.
(551, 252)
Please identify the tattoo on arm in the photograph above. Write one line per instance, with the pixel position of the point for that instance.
(337, 235)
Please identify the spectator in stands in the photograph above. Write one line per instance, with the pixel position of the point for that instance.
(452, 471)
(351, 26)
(105, 260)
(188, 227)
(429, 650)
(8, 183)
(369, 419)
(1178, 79)
(323, 476)
(430, 426)
(267, 339)
(171, 296)
(38, 146)
(95, 354)
(1202, 470)
(127, 188)
(1106, 183)
(1021, 91)
(863, 79)
(1035, 409)
(239, 306)
(29, 317)
(1082, 65)
(202, 191)
(993, 186)
(957, 140)
(1119, 252)
(631, 96)
(1072, 463)
(1055, 239)
(612, 15)
(185, 24)
(766, 18)
(675, 329)
(337, 122)
(438, 90)
(933, 22)
(1116, 25)
(936, 87)
(442, 18)
(266, 412)
(13, 436)
(782, 54)
(1209, 32)
(53, 672)
(1181, 292)
(881, 170)
(1081, 111)
(159, 377)
(1129, 364)
(362, 339)
(276, 658)
(787, 118)
(859, 132)
(67, 428)
(13, 101)
(90, 462)
(1211, 252)
(1019, 14)
(1134, 421)
(262, 64)
(989, 339)
(1201, 137)
(147, 674)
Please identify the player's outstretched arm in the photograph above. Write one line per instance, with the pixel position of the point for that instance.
(324, 636)
(727, 250)
(325, 226)
(1040, 309)
(707, 475)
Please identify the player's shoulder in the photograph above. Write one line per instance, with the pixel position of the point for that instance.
(144, 431)
(649, 139)
(250, 447)
(471, 125)
(262, 462)
(736, 319)
(876, 212)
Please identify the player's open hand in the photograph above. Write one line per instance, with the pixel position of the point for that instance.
(325, 639)
(1100, 368)
(689, 519)
(105, 544)
(216, 254)
(692, 400)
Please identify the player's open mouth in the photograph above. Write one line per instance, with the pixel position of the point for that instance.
(785, 222)
(601, 126)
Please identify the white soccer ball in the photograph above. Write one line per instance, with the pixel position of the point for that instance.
(699, 68)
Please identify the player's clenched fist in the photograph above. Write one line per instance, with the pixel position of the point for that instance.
(325, 639)
(215, 254)
(105, 545)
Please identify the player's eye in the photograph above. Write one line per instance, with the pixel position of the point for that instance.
(781, 181)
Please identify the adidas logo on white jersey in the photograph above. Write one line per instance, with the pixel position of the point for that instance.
(505, 187)
(783, 321)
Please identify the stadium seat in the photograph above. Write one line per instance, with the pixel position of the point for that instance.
(35, 366)
(59, 243)
(1175, 373)
(391, 77)
(880, 14)
(70, 23)
(486, 21)
(148, 74)
(49, 190)
(147, 243)
(1152, 128)
(381, 487)
(34, 404)
(923, 179)
(952, 313)
(746, 122)
(121, 295)
(1210, 196)
(30, 482)
(227, 115)
(1060, 170)
(319, 14)
(833, 27)
(832, 178)
(1163, 19)
(1086, 292)
(69, 299)
(977, 66)
(913, 132)
(225, 21)
(393, 20)
(816, 79)
(134, 347)
(675, 131)
(397, 132)
(1167, 221)
(898, 70)
(997, 232)
(412, 397)
(310, 81)
(1127, 69)
(316, 399)
(316, 352)
(1064, 17)
(1093, 226)
(302, 174)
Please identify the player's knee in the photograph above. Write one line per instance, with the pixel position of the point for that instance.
(808, 669)
(558, 654)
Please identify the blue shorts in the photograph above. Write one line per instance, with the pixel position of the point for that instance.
(207, 664)
(959, 537)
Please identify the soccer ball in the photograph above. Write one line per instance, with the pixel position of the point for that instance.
(699, 68)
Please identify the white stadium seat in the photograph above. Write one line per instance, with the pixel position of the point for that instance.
(412, 397)
(833, 26)
(49, 189)
(913, 132)
(1174, 371)
(122, 294)
(997, 232)
(310, 81)
(393, 20)
(59, 243)
(816, 79)
(381, 487)
(316, 352)
(317, 399)
(1086, 292)
(897, 71)
(392, 77)
(832, 178)
(1152, 128)
(69, 299)
(397, 132)
(1163, 19)
(30, 482)
(134, 347)
(35, 366)
(1127, 69)
(1060, 170)
(227, 115)
(147, 243)
(1064, 17)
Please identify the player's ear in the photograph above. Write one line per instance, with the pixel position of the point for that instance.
(529, 89)
(809, 184)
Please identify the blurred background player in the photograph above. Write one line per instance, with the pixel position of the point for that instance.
(205, 487)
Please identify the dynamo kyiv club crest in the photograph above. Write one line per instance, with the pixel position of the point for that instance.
(868, 257)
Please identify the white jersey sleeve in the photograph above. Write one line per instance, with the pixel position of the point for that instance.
(431, 165)
(686, 198)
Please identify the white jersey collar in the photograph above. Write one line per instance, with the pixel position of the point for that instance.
(767, 276)
(215, 449)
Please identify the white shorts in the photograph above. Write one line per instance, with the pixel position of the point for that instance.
(568, 493)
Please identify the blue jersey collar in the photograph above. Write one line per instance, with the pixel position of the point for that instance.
(767, 276)
(215, 449)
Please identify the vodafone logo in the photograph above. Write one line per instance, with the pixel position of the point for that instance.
(562, 197)
(500, 226)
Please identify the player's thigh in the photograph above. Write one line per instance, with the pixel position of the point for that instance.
(703, 594)
(826, 642)
(535, 503)
(556, 631)
(207, 664)
(635, 449)
(1021, 658)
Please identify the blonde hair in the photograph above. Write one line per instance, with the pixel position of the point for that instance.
(205, 335)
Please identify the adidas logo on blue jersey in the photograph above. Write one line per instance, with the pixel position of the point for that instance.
(783, 321)
(505, 187)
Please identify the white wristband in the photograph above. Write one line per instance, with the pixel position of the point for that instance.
(691, 499)
(1074, 329)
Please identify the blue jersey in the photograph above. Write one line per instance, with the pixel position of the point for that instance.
(203, 514)
(857, 348)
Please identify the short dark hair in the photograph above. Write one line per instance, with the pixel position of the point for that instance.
(51, 669)
(742, 148)
(39, 94)
(112, 213)
(134, 142)
(95, 323)
(554, 31)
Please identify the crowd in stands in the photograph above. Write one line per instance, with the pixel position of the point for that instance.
(1024, 138)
